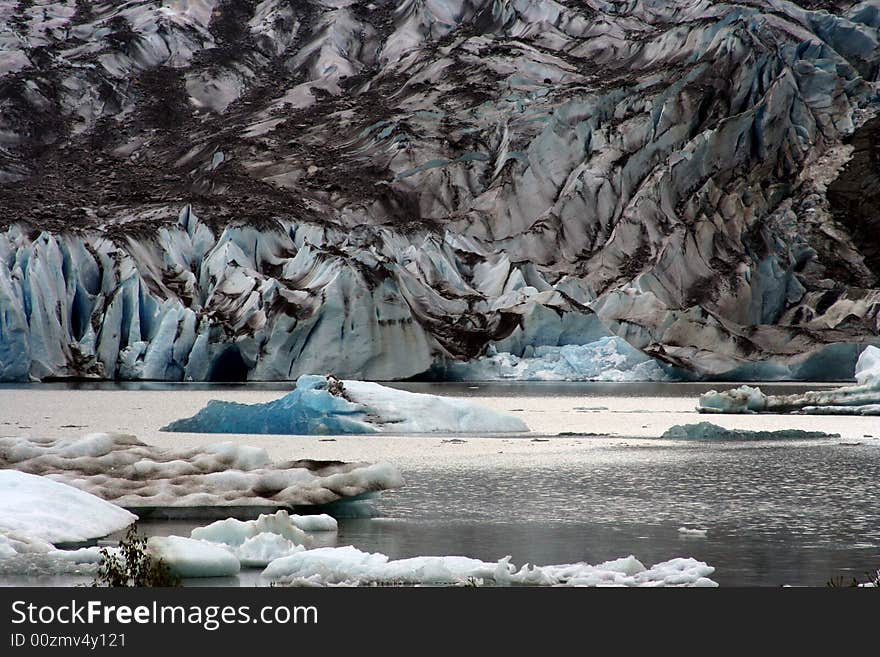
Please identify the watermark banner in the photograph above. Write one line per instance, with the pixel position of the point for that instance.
(125, 621)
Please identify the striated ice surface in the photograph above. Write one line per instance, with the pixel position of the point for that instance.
(131, 474)
(709, 431)
(256, 191)
(860, 399)
(37, 512)
(187, 557)
(606, 359)
(348, 565)
(324, 405)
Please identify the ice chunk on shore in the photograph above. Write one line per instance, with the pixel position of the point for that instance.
(607, 359)
(35, 511)
(324, 405)
(348, 565)
(192, 481)
(187, 557)
(709, 431)
(861, 399)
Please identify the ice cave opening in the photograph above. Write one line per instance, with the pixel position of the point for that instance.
(228, 367)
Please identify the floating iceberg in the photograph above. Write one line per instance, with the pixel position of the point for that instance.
(36, 513)
(348, 565)
(196, 481)
(606, 359)
(261, 550)
(269, 537)
(860, 399)
(291, 527)
(693, 531)
(325, 405)
(188, 557)
(709, 431)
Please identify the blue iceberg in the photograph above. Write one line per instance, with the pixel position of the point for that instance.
(309, 409)
(325, 405)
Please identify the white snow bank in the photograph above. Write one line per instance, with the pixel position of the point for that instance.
(134, 475)
(861, 399)
(348, 565)
(607, 359)
(324, 405)
(709, 431)
(36, 511)
(187, 557)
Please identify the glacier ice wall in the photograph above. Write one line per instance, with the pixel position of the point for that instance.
(258, 190)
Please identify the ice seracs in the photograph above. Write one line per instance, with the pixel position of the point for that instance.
(860, 399)
(606, 359)
(325, 405)
(196, 481)
(429, 180)
(36, 513)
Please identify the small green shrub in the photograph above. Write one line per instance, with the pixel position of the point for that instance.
(133, 565)
(871, 579)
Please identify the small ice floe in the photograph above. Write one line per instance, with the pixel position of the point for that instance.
(256, 543)
(325, 405)
(36, 513)
(693, 532)
(348, 565)
(188, 557)
(194, 481)
(860, 399)
(709, 431)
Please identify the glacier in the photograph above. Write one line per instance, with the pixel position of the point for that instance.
(326, 405)
(192, 482)
(860, 399)
(257, 191)
(36, 513)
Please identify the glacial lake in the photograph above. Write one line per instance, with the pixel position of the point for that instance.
(784, 512)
